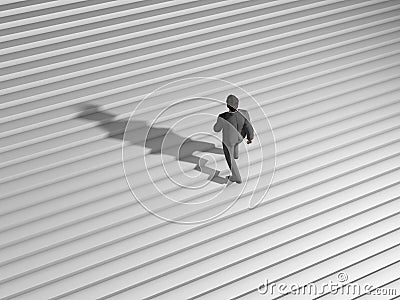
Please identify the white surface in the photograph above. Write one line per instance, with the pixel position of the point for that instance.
(326, 73)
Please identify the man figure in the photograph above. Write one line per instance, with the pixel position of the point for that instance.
(235, 125)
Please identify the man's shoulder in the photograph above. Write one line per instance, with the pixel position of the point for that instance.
(244, 112)
(224, 115)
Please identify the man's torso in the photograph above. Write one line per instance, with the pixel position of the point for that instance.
(233, 132)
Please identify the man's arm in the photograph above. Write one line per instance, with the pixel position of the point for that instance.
(218, 124)
(248, 127)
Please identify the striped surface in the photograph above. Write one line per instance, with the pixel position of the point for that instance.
(327, 75)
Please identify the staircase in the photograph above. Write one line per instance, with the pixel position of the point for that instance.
(113, 183)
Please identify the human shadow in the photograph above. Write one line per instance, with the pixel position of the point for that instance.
(160, 140)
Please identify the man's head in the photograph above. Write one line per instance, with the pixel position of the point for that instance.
(232, 102)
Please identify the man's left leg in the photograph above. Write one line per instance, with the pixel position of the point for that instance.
(236, 151)
(229, 154)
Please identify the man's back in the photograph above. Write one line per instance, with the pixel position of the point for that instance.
(235, 126)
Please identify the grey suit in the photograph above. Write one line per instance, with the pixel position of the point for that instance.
(235, 127)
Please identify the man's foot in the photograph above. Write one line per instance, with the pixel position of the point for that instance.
(237, 181)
